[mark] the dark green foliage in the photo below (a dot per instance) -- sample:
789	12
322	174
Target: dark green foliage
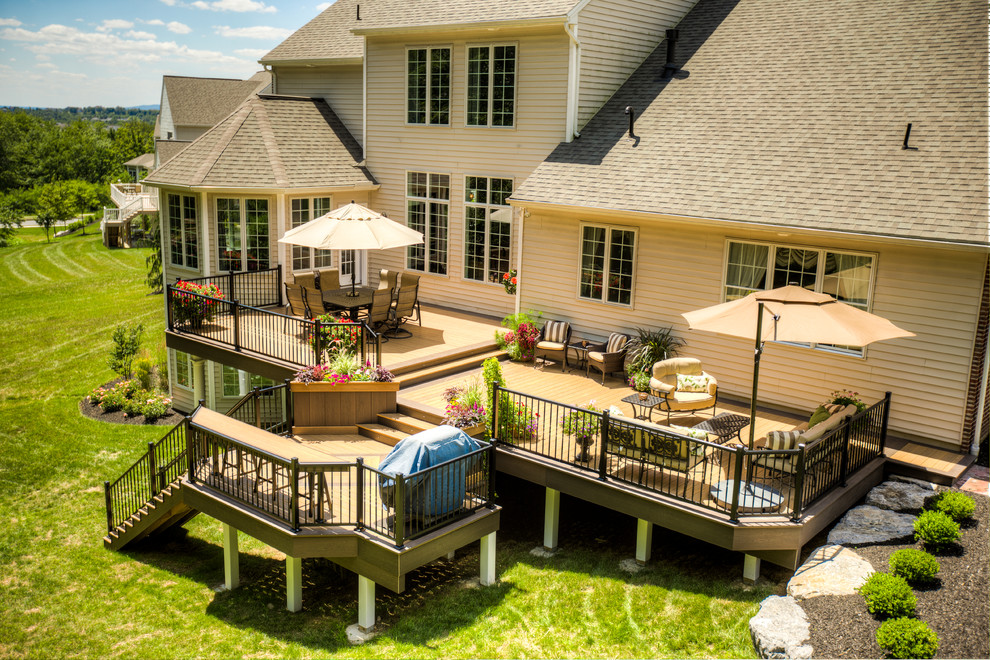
491	373
958	506
651	346
9	222
888	595
144	372
936	530
153	262
915	566
907	638
126	341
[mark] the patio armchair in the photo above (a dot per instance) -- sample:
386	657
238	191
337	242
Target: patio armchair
305	279
295	301
553	341
609	356
406	306
683	386
380	311
314	300
328	279
387	279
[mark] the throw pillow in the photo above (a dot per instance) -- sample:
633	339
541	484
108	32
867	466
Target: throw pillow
782	439
686	383
697	434
820	415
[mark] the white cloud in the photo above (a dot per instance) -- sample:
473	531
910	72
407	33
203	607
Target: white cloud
234	5
115	24
178	28
323	5
255	32
253	53
45	65
12	22
170	3
138	34
155	21
41	57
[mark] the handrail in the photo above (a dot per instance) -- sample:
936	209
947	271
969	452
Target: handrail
267	408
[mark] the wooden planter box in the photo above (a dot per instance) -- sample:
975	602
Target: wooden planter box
339	408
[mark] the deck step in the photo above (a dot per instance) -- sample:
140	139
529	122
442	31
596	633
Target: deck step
447	368
382	433
403	369
419	411
405	423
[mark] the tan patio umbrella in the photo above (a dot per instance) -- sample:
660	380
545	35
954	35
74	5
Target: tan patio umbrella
352	227
791	314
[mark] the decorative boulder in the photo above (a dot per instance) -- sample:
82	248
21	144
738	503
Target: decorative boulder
780	629
831	570
867	525
898	496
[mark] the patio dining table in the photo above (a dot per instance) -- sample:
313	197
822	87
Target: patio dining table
343	300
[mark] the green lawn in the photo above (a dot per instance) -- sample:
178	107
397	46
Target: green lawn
62	594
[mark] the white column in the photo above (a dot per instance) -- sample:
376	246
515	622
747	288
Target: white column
488	559
751	569
644	540
366	603
293	583
199	379
551	519
231	558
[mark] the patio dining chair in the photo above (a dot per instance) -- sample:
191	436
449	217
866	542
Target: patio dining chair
553	341
609	356
387	279
328	279
305	279
295	301
406	308
379	313
314	300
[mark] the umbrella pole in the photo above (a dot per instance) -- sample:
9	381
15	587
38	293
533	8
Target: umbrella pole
758	353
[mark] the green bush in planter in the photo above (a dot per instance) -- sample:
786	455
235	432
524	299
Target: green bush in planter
907	638
956	505
888	595
936	530
915	566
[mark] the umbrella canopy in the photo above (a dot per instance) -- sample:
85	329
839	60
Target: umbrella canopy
352	227
793	314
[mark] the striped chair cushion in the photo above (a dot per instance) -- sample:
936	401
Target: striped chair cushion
555	331
616	342
782	439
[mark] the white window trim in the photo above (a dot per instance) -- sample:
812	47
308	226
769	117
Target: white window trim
426	235
335	254
242	225
189	369
635	262
429	86
491	100
861	353
488	247
244	386
182	224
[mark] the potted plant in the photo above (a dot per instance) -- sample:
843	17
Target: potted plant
520	339
465	407
583	424
192	304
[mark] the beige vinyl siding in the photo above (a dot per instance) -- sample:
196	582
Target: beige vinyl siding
182	398
342	87
616	36
680	268
166	125
395	148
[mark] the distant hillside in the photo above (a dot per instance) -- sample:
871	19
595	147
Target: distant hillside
111	116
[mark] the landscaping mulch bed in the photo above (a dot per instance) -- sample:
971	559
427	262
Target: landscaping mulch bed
93	411
955	607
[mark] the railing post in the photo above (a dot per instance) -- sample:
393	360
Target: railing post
883	423
106	495
378	349
190	454
737	483
400	510
278	284
288	407
490	502
318	341
603	447
257	407
844	463
168	306
359	494
230	278
294	501
237	326
799	485
152	470
493	431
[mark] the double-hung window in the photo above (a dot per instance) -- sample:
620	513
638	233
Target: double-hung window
427	211
242	234
239	383
491	85
183	231
428	86
183	370
302	211
607	256
846	276
487	228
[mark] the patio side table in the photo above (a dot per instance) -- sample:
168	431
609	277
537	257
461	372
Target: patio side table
579	348
646	404
724	426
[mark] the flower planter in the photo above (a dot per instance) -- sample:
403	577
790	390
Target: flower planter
340	407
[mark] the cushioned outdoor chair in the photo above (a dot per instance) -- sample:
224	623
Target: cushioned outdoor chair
683	386
609	356
328	279
554	337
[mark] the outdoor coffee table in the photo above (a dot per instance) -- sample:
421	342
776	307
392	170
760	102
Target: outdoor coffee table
724	426
646	404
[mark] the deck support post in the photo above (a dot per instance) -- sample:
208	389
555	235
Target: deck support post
551	519
293	583
366	603
199	378
488	559
644	541
231	558
751	569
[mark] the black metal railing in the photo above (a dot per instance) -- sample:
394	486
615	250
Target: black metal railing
256	288
268	408
263	332
731	479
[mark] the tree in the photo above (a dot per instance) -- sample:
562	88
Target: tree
154	261
10	218
56	203
126	342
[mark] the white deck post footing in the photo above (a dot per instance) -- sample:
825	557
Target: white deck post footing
488	559
751	569
644	541
231	558
366	603
551	519
293	583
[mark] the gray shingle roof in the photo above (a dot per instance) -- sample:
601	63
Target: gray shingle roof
329	36
205	101
793	113
270	142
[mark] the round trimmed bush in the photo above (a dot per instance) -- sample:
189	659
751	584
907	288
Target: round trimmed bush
907	638
956	505
936	530
888	595
915	566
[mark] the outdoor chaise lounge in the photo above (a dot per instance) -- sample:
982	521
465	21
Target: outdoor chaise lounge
683	386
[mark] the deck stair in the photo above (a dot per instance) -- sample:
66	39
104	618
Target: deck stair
446	364
165	510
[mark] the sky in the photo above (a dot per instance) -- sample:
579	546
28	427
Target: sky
58	53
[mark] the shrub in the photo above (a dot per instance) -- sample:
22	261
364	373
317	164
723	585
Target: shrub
936	530
154	406
907	638
956	505
491	373
144	372
126	340
915	566
132	406
652	346
113	400
888	595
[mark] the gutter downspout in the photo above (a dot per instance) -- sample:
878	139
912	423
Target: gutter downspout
364	103
573	80
974	447
519	259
